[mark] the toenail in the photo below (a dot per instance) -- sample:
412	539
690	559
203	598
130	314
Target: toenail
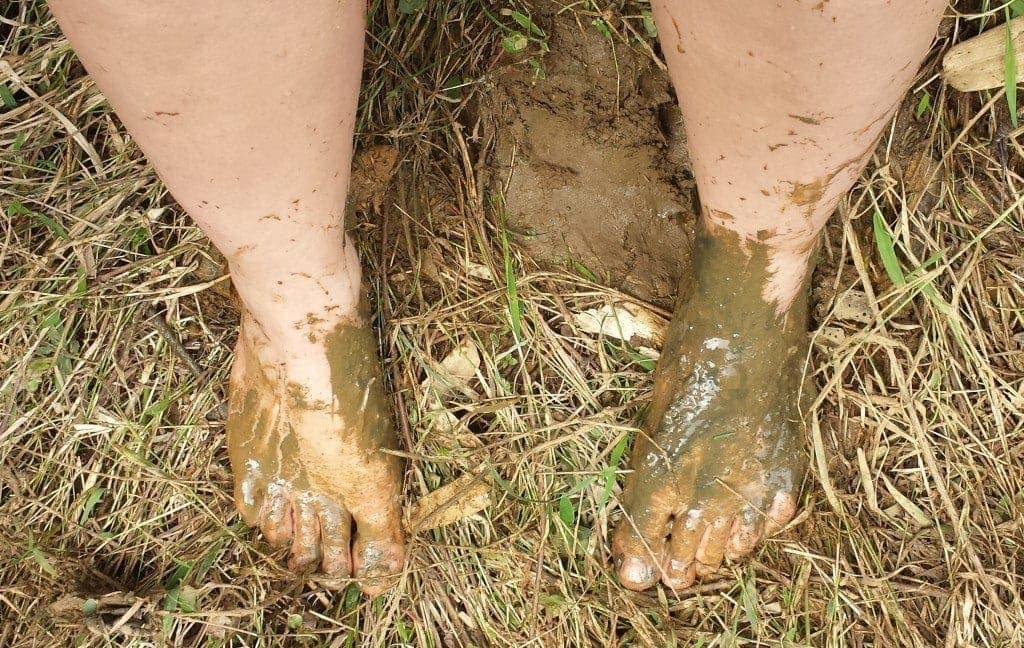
692	518
678	565
635	570
372	563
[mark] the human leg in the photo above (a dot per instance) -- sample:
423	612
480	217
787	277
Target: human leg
247	112
782	103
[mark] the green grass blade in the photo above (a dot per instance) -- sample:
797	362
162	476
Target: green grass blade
40	558
511	291
886	249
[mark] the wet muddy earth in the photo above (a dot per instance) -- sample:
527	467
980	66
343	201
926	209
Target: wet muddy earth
590	163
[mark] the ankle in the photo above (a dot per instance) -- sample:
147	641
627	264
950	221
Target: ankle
764	274
298	329
296	308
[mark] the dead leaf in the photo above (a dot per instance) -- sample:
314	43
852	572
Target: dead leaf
450	503
451	374
114	613
624	321
854	306
830	337
478	271
915	512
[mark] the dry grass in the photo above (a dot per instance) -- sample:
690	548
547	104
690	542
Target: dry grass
115	341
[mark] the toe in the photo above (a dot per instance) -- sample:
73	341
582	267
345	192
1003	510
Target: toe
248	497
639	549
687	532
637	572
679	575
746	532
276	517
378	552
249	491
782	510
336	540
306	534
711	549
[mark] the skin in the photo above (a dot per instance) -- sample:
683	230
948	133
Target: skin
719	458
782	107
306	468
248	118
249	121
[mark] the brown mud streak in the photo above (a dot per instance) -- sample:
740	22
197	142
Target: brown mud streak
362	404
358	386
679	37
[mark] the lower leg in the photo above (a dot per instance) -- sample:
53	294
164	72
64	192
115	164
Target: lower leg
247	112
782	107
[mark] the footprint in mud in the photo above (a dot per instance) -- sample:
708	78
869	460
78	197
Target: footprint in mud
587	174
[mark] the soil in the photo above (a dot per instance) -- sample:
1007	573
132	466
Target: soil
591	163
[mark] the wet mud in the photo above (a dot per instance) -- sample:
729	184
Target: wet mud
726	384
719	459
306	470
590	160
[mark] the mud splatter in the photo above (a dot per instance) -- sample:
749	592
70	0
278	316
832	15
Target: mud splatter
303	466
813	121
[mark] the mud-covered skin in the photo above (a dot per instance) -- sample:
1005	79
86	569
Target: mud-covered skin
719	460
314	474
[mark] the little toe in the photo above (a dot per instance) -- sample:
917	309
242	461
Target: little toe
711	549
305	550
746	532
639	549
781	511
276	517
336	540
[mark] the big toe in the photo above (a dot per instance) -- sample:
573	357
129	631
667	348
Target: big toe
248	495
378	552
639	549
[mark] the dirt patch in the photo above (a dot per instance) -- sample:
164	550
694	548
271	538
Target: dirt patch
591	162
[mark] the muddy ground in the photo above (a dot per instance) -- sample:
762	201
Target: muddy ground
591	164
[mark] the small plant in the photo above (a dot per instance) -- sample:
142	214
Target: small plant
522	37
518	40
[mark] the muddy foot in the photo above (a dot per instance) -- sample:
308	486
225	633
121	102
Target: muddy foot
306	432
720	459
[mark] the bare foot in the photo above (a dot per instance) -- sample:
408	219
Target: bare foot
720	458
306	432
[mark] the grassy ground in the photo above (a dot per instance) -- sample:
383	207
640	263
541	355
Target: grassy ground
116	331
